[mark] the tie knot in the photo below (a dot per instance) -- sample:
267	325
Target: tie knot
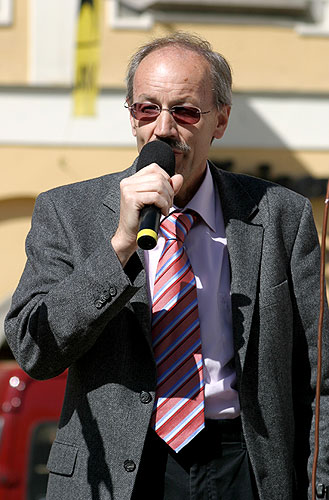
177	225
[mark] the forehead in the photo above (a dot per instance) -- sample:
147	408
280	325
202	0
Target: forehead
173	70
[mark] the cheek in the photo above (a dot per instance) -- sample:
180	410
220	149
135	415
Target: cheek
144	131
133	126
200	143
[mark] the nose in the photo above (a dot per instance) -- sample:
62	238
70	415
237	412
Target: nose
165	125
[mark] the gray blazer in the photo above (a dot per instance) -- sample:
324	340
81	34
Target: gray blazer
76	308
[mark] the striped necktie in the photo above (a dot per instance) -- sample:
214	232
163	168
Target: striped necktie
178	413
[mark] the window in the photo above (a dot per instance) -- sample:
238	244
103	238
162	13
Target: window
143	13
294	7
307	16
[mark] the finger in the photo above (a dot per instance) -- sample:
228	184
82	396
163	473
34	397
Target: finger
152	188
153	168
177	182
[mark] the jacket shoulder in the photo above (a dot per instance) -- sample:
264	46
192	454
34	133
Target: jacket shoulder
88	187
84	197
265	192
271	189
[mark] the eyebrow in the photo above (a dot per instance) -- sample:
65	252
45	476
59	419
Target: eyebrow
177	102
145	97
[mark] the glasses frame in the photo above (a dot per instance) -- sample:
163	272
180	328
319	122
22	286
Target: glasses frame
170	110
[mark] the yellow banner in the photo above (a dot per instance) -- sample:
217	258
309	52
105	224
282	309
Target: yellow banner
87	58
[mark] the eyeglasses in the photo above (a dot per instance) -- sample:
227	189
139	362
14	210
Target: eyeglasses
148	112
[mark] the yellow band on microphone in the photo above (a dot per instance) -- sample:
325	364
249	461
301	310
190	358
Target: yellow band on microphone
147	232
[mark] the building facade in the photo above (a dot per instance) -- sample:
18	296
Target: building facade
279	126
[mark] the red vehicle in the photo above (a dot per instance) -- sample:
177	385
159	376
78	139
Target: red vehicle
29	412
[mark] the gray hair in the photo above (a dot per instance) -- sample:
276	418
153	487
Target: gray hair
220	70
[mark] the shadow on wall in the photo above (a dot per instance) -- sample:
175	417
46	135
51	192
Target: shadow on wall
265	133
14	208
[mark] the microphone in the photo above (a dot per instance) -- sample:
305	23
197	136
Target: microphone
161	153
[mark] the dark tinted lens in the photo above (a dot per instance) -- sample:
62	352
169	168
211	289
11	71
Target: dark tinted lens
144	111
186	114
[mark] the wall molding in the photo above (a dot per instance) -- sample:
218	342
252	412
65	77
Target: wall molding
45	118
6	12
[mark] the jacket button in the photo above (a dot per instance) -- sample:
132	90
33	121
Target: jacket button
321	491
145	397
129	465
105	296
99	303
113	291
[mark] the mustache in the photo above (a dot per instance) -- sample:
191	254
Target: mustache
177	145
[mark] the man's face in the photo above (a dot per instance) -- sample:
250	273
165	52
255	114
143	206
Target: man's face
173	76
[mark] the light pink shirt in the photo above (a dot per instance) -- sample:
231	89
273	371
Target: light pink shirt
206	246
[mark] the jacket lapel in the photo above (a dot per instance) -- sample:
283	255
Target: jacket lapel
244	232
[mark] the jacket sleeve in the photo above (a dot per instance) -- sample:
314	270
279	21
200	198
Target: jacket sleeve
62	304
305	268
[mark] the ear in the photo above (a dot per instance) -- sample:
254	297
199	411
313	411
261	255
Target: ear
222	121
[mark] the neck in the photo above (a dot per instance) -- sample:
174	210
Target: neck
187	192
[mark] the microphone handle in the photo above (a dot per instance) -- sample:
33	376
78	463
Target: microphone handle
147	236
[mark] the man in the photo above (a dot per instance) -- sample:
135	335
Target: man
85	300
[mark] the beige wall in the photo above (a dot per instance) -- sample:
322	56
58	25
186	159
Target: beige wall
26	171
15	215
14	46
264	58
282	161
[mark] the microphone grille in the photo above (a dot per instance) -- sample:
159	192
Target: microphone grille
158	152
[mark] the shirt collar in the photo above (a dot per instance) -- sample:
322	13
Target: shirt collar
204	201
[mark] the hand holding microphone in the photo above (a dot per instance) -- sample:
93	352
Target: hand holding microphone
149	187
162	154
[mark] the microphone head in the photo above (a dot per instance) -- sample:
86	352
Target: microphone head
157	152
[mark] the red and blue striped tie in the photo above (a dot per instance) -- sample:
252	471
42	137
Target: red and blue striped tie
178	413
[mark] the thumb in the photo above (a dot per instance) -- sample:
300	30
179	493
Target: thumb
177	182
